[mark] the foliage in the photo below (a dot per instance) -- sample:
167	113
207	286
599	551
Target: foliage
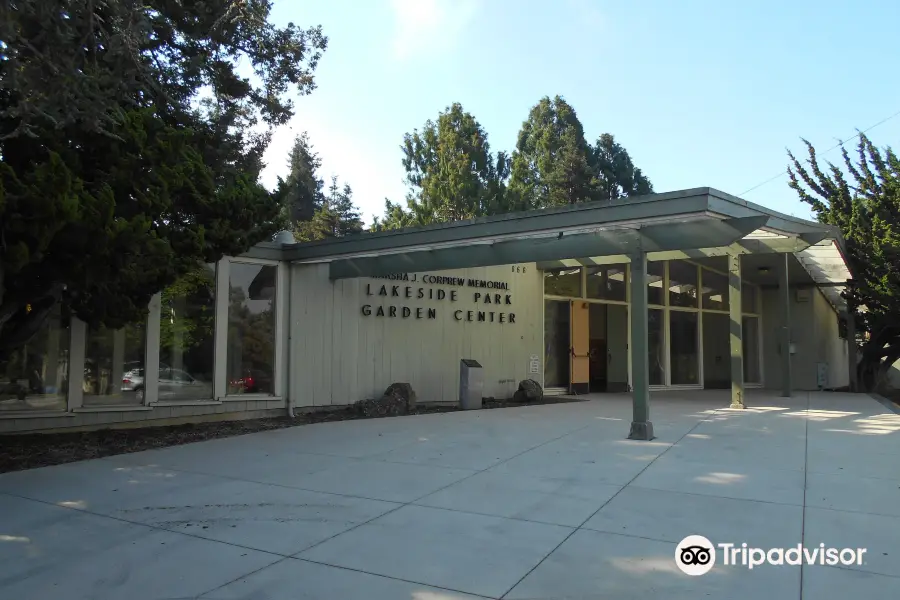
130	147
300	194
550	164
310	213
451	171
453	174
614	174
337	216
864	203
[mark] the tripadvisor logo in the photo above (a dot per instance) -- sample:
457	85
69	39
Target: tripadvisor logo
696	555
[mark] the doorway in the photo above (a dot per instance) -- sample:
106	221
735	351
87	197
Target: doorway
608	348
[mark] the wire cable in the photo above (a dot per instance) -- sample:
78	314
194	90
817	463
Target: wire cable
838	145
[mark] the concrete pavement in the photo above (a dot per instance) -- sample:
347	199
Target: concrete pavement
537	502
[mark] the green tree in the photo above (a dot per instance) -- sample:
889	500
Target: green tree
130	147
864	202
550	165
300	193
451	172
614	174
336	217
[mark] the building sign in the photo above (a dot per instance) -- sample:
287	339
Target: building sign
491	302
534	364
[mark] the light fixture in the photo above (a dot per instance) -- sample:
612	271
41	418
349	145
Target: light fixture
763	270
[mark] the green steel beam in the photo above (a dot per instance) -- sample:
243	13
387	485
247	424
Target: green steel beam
659	237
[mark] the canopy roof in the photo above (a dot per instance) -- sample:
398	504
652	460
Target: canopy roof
690	223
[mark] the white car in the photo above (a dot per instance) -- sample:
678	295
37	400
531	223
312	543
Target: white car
174	384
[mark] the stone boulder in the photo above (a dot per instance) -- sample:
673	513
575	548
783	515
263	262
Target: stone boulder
402	393
529	391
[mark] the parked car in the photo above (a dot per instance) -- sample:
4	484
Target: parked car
133	377
175	384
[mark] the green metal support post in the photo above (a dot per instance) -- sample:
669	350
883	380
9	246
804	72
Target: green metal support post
736	328
641	427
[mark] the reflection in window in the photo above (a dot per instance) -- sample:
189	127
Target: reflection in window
715	290
655	276
606	282
186	336
35	376
556	343
750	348
748	298
682	284
685	357
251	329
656	347
114	365
563	282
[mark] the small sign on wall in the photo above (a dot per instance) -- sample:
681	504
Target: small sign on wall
534	364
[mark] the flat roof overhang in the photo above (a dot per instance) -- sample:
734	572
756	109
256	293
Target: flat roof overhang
684	224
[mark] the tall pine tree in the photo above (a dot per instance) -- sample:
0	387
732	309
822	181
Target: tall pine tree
451	172
614	174
550	164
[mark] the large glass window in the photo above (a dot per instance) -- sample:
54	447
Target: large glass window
35	375
251	329
114	365
685	356
606	282
557	318
186	337
750	346
682	284
655	277
657	346
563	282
715	290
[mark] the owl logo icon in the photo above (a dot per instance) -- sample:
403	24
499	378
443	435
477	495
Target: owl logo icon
695	555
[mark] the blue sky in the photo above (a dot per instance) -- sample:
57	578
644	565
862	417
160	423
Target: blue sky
701	93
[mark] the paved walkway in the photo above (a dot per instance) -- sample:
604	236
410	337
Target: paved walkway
536	502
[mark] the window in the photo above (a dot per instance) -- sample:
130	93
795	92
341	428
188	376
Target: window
187	334
682	284
35	376
606	282
114	365
655	276
685	355
563	282
715	290
657	346
251	328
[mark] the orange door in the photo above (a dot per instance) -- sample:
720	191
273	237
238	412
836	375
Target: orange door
580	360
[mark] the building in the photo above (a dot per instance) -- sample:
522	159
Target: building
684	290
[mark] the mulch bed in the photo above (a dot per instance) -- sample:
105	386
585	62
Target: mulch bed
31	450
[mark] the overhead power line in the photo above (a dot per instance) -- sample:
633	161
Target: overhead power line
838	145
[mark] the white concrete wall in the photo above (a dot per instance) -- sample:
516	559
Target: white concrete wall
831	349
338	355
814	333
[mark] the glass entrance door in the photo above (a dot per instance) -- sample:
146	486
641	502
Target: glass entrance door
557	327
